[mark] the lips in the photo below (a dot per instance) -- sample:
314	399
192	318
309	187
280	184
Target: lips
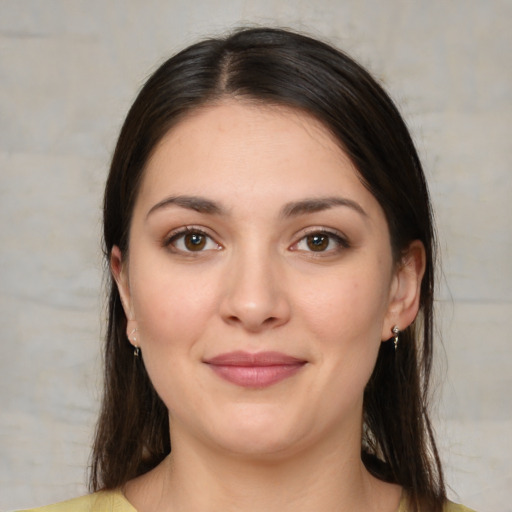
257	370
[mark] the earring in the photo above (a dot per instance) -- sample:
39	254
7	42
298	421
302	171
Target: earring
396	332
136	349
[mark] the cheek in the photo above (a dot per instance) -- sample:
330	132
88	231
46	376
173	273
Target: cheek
173	310
171	307
346	305
345	314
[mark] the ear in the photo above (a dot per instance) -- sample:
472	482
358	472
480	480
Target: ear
405	290
119	270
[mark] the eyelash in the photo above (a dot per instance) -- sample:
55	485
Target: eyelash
332	236
171	240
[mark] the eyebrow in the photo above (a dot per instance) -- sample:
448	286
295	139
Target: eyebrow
196	203
292	209
319	204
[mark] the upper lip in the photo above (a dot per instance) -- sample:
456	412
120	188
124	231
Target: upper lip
241	358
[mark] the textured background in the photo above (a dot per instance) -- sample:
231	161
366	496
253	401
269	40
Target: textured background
68	72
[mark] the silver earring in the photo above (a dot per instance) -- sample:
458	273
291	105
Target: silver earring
396	332
136	349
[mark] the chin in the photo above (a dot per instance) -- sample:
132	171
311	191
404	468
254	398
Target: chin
260	448
262	436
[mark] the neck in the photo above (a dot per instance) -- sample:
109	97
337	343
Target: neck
198	479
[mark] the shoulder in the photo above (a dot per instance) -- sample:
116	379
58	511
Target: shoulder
454	507
449	506
102	501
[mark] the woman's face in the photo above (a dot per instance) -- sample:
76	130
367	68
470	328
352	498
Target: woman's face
260	280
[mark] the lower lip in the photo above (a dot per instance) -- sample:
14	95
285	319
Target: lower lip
256	376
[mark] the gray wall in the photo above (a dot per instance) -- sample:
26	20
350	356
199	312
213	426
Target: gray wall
68	72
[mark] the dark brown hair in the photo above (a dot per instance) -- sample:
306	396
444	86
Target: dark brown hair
279	67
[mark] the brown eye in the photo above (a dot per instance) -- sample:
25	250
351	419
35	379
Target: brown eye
191	241
194	241
317	242
324	243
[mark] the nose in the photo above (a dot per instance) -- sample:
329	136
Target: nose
255	295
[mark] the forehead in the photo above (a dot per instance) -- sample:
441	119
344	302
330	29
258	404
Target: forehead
251	158
255	140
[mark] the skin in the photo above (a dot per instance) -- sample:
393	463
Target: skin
258	283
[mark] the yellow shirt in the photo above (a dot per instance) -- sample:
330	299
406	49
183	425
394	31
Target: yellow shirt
114	501
102	501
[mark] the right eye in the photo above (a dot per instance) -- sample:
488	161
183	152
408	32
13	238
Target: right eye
192	240
321	242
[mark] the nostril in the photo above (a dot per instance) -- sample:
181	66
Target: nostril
254	304
252	324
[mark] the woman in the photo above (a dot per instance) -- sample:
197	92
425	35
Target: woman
269	234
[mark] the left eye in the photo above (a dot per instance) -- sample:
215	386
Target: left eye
320	241
192	241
